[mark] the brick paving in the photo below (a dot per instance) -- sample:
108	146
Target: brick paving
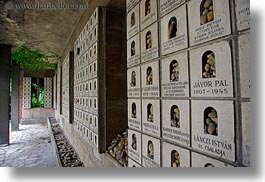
29	147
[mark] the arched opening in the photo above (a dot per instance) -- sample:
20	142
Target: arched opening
208	65
134	112
206	11
175	159
150	113
172	27
175	117
149	76
147	7
133	48
211	121
132	19
150	150
148	40
133	79
209	165
134	142
174	71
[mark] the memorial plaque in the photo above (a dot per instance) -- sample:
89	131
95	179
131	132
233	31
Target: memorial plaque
175	76
174	156
150	152
148	12
149	43
174	31
133	25
132	163
151	117
167	6
150	80
246	127
244	63
133	51
211	71
213	128
134	82
203	161
176	121
134	114
135	146
130	4
242	14
208	20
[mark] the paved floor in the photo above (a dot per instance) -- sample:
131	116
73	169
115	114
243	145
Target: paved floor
29	147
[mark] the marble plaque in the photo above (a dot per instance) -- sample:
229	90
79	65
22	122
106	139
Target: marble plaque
208	20
149	43
176	121
213	128
174	31
174	156
134	114
244	63
151	117
242	14
130	4
150	80
150	152
175	76
199	160
211	71
148	12
134	82
246	128
132	163
133	51
168	5
135	146
133	25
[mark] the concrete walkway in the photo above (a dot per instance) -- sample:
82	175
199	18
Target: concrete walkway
29	147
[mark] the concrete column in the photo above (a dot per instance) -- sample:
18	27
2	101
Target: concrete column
15	97
5	57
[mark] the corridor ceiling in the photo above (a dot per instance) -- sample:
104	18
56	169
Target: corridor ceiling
44	30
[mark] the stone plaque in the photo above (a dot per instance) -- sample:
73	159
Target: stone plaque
150	152
130	4
151	117
244	51
149	43
132	163
175	76
133	26
246	128
208	20
213	128
133	51
243	14
174	31
211	71
150	80
176	121
174	156
203	161
135	146
134	114
148	12
134	82
167	6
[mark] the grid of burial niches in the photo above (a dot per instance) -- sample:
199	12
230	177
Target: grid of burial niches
182	99
86	82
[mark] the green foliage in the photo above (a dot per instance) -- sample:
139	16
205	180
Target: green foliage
33	59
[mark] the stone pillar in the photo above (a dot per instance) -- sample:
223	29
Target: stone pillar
5	57
15	97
